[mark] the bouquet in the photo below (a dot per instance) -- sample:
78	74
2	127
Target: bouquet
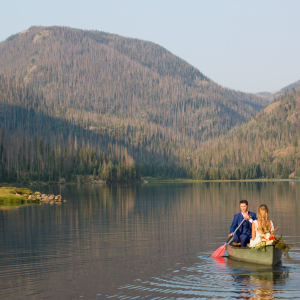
268	239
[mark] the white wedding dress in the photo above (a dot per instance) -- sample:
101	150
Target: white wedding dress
257	240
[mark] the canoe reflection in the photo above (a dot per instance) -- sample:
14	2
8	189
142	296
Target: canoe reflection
256	281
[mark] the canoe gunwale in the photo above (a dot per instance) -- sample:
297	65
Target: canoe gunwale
248	248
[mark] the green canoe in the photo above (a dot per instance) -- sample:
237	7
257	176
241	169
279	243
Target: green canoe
270	257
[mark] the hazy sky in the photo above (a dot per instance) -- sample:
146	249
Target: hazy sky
250	46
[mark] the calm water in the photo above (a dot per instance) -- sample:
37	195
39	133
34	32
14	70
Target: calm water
150	241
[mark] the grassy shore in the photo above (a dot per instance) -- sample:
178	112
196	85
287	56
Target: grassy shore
15	195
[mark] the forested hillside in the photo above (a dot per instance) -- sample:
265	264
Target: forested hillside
34	145
106	74
76	92
265	147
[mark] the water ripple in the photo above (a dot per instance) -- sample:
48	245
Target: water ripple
221	279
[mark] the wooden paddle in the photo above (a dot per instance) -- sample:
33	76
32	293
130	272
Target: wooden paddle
220	251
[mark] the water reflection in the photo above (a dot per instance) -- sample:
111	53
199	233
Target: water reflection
143	241
225	279
10	206
220	278
257	281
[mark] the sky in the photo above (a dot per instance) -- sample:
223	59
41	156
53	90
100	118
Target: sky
251	46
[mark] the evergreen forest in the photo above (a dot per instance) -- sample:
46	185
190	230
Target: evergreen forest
76	102
266	147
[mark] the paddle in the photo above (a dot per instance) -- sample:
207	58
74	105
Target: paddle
220	251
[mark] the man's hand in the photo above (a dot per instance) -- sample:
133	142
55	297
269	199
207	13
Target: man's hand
231	234
247	217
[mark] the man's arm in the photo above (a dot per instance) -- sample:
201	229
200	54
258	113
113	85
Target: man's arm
234	224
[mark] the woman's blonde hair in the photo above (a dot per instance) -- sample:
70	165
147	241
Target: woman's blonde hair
263	218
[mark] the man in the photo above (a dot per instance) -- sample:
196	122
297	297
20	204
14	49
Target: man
244	233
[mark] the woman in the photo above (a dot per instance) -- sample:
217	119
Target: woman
262	228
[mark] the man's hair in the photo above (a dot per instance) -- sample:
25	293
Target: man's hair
244	201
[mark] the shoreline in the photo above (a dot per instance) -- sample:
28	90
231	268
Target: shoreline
143	181
212	181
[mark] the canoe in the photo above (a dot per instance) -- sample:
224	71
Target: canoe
270	257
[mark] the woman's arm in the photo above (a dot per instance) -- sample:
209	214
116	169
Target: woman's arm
271	229
253	231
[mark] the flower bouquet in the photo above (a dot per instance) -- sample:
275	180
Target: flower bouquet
268	239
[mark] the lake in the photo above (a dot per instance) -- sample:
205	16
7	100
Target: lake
147	241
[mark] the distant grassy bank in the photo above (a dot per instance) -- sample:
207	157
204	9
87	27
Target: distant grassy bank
182	180
10	192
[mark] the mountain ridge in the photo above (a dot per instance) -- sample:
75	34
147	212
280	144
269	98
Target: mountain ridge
162	79
271	95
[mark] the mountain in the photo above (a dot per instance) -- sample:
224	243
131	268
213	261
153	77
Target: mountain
265	147
271	95
106	74
118	96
